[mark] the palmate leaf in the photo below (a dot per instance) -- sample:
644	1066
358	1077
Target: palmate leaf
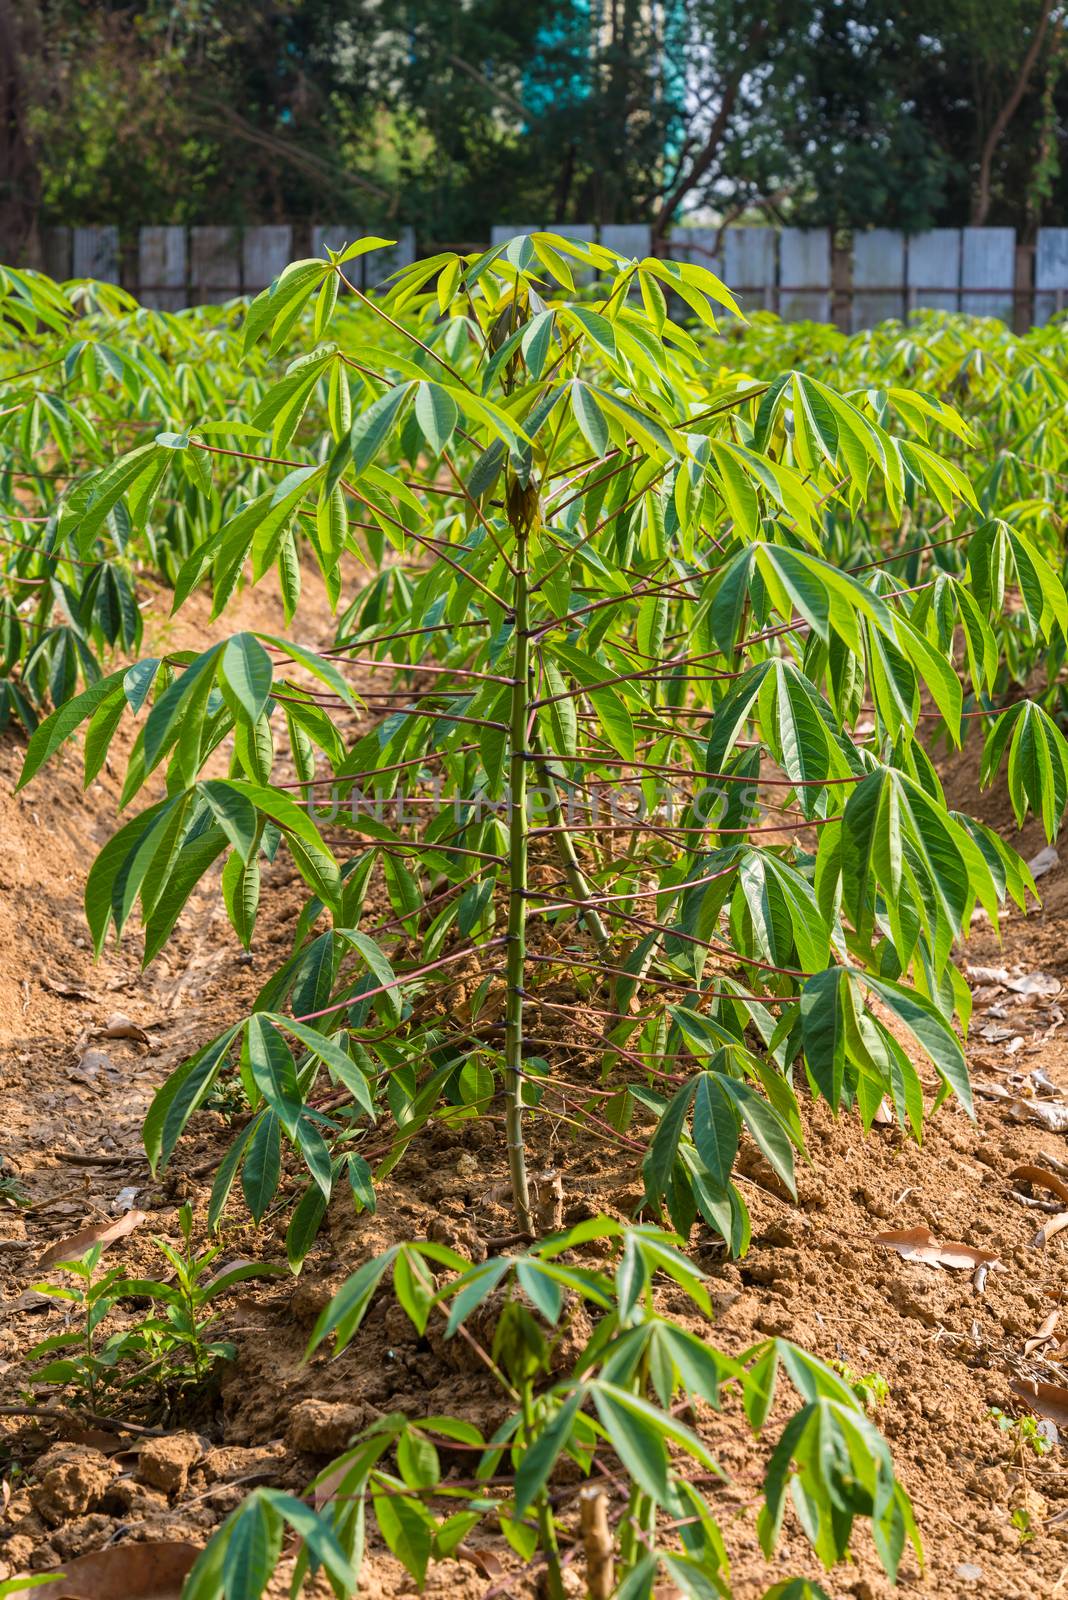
1037	767
836	1035
339	1063
299	280
895	835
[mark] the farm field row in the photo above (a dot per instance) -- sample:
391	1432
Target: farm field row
552	821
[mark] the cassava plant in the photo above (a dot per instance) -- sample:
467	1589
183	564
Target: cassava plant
609	1418
614	707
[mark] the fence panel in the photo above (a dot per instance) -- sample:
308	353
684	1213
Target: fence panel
749	256
215	254
95	254
805	274
878	277
380	263
1051	273
988	262
161	268
794	271
628	238
697	245
265	252
501	232
934	269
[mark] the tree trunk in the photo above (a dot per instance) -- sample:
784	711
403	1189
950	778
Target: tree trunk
19	182
981	205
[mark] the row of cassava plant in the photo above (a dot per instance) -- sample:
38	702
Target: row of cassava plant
85	373
611	579
607	571
1013	389
83	368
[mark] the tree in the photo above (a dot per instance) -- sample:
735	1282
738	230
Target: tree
146	112
19	178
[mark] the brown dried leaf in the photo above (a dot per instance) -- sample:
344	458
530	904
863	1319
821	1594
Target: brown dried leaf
1045	1399
1039	1178
104	1233
64	989
119	1026
483	1561
1044	1334
1049	1229
125	1572
920	1244
1052	1114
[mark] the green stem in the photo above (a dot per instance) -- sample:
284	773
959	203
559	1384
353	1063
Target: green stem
565	845
546	1529
517	889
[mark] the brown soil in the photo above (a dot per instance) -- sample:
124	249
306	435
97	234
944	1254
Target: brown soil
71	1104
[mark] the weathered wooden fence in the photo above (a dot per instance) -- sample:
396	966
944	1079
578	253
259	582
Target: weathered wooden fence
796	272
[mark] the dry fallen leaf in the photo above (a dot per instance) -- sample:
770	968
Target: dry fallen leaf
94	1062
1049	1229
1039	1178
125	1572
78	1243
1043	1335
119	1026
65	989
483	1560
1041	983
920	1244
996	975
1029	983
1052	1114
1045	1399
994	1033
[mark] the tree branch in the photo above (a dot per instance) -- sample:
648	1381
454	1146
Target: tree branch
981	207
716	134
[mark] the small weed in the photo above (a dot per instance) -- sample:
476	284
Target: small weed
227	1097
1021	1521
11	1191
1023	1431
870	1388
171	1350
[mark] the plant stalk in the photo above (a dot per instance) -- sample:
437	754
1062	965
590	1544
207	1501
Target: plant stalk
542	1505
517	886
569	860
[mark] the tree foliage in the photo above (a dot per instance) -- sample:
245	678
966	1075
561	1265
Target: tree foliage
852	113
